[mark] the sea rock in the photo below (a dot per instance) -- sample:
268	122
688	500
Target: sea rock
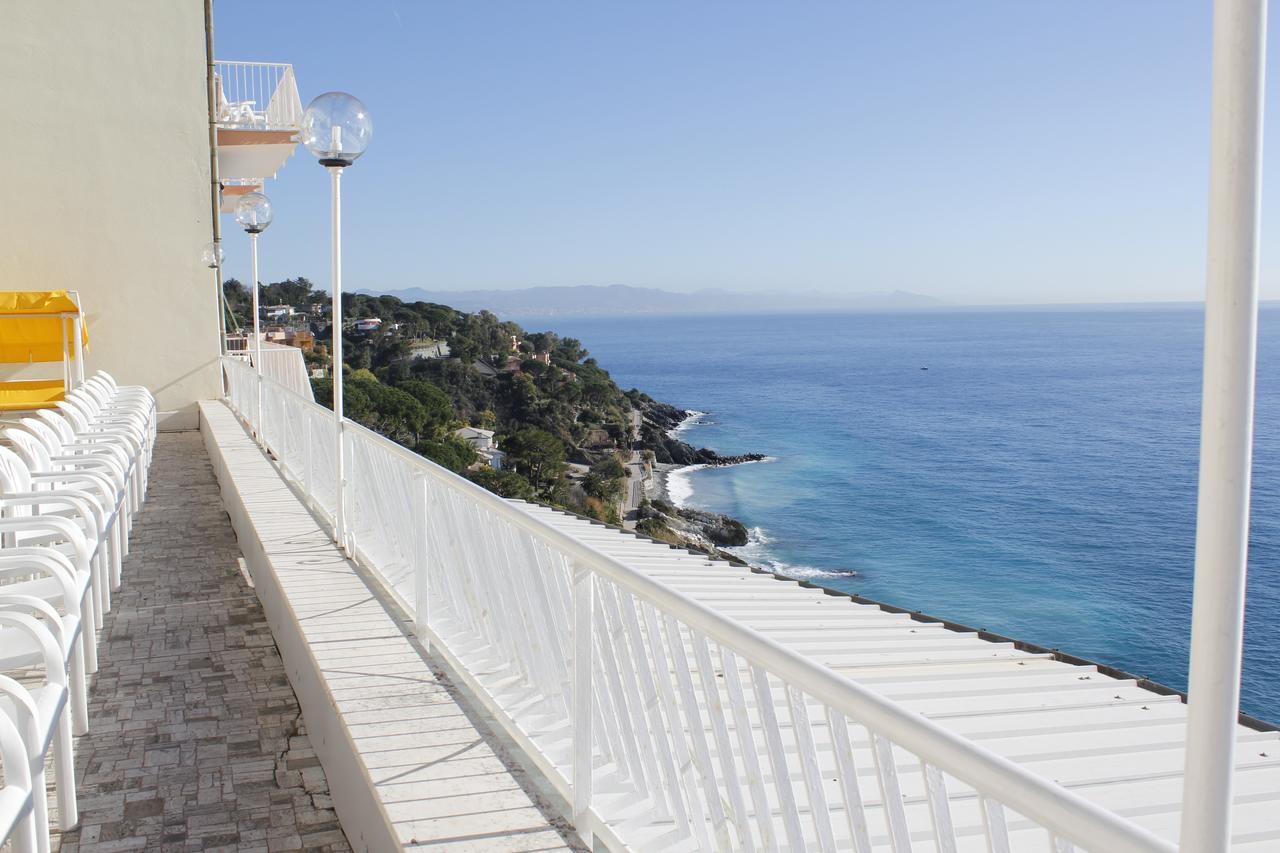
719	530
695	528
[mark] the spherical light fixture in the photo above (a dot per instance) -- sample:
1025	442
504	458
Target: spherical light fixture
336	128
211	255
253	212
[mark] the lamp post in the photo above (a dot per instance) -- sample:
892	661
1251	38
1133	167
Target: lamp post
336	128
212	257
253	212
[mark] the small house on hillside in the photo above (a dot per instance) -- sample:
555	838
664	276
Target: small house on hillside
481	441
368	326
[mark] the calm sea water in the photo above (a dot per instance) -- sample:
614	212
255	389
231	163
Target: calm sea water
1037	480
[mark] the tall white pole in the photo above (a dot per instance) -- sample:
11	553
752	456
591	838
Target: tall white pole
257	337
222	323
1226	426
340	521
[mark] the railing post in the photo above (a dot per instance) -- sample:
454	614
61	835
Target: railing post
306	462
258	420
422	559
1226	422
583	614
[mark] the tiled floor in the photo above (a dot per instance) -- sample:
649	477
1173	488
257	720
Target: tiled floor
195	740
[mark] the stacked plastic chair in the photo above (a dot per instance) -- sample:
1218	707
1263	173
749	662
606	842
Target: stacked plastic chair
70	481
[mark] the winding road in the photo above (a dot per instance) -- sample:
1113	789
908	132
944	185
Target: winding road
635	477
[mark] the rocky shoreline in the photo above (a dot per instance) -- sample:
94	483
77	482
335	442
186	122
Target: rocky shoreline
659	516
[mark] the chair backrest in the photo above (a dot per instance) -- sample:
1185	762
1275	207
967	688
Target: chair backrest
44	434
30	449
76	412
60	425
107	379
93	394
15	476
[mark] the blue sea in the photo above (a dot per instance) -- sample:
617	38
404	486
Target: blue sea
1037	480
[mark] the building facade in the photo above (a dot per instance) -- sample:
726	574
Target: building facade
108	185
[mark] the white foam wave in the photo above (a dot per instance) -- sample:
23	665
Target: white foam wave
692	419
756	552
679	489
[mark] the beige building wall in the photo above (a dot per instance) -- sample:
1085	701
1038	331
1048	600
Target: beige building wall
104	181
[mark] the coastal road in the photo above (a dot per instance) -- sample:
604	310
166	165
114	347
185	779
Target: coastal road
635	478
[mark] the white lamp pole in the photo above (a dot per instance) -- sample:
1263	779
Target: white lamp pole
336	128
257	331
340	518
254	213
1226	425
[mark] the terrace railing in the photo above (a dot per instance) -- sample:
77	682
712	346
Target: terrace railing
257	96
664	724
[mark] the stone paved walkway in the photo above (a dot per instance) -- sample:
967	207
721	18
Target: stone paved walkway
196	740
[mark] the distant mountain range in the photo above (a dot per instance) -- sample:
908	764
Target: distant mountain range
600	300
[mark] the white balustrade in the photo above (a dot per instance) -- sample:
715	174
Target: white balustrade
257	96
663	724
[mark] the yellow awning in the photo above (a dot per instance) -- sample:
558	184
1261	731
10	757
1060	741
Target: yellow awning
19	395
29	325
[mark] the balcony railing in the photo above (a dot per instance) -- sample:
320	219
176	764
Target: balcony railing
663	722
257	96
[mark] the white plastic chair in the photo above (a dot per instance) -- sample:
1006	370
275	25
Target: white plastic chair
108	458
44	583
127	447
29	499
109	403
123	397
40	714
83	474
17	801
80	409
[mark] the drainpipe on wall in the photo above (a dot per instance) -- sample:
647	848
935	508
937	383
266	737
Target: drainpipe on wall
215	186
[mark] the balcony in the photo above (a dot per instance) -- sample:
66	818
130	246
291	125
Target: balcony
663	700
258	114
466	672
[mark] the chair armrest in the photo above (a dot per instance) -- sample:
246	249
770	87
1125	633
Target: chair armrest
52	524
79	501
93	480
45	560
33	606
50	648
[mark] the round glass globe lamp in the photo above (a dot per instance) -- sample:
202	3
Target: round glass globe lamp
211	255
336	128
253	212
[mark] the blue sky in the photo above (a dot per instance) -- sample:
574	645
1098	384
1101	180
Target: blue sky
978	152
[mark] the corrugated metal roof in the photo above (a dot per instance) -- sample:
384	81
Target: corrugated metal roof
1108	739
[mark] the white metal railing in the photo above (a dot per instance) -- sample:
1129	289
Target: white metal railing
257	96
281	362
664	724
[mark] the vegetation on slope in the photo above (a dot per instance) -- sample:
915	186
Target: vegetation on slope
565	427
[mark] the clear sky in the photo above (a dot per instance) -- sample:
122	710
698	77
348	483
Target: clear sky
978	152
